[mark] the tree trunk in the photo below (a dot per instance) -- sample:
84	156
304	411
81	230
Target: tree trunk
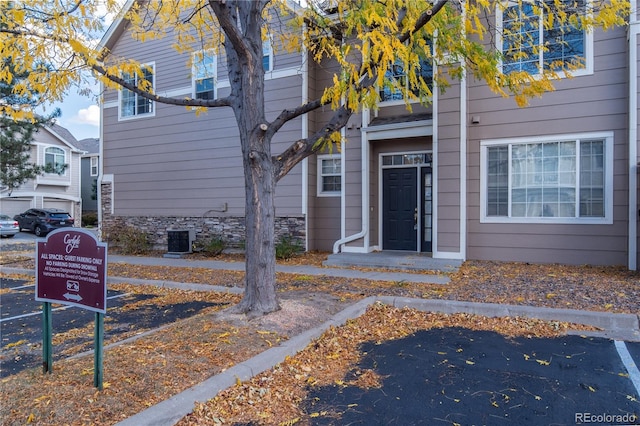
242	22
260	281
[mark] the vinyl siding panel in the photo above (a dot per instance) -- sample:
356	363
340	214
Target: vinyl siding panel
447	174
326	223
591	103
180	164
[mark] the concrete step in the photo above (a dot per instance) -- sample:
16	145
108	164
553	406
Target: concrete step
392	260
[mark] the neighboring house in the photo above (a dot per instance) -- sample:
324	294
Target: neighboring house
471	177
89	166
51	145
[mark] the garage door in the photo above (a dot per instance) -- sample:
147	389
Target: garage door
14	206
52	203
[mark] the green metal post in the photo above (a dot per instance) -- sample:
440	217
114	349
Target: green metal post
47	351
97	351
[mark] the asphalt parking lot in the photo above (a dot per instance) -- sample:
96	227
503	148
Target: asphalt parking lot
458	376
21	323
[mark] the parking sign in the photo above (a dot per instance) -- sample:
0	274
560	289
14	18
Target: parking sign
71	269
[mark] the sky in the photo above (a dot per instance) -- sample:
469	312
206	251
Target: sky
80	115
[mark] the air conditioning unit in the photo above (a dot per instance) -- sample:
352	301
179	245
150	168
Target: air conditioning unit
180	240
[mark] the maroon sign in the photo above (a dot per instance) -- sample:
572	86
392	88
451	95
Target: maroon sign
72	269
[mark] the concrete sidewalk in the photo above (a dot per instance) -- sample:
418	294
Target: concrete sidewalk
290	269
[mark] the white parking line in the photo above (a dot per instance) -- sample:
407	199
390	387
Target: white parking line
629	364
21	287
53	310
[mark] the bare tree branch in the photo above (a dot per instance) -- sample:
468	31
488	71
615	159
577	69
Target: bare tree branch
210	103
224	14
51	16
423	20
289	114
303	148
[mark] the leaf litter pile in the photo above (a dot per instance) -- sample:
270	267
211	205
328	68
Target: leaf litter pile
151	368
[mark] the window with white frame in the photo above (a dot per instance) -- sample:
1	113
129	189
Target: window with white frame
204	74
132	104
267	55
530	47
557	180
396	76
329	175
94	166
55	158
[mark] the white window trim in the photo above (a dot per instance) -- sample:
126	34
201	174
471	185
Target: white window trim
194	72
65	152
153	108
396	102
93	160
320	192
588	41
608	179
267	50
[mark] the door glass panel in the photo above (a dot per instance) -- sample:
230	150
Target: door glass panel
427	210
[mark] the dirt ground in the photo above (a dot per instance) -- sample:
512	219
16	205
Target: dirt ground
153	367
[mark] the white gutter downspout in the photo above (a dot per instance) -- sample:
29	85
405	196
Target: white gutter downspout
364	155
463	164
100	160
305	135
463	151
634	30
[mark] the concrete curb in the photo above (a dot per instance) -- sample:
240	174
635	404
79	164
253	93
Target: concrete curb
170	411
607	321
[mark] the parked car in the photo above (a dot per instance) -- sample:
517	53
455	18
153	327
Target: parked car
8	227
43	221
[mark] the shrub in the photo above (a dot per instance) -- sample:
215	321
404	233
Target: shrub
288	247
90	219
126	239
212	247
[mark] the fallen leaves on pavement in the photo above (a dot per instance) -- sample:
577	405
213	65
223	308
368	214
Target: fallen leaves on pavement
274	397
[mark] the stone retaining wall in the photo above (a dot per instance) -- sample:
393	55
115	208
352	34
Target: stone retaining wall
230	228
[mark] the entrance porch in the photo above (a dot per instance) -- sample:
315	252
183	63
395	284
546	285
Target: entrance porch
389	259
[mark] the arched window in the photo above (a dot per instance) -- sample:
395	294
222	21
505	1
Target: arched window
55	157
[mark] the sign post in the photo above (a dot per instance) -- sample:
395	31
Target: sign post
71	268
47	352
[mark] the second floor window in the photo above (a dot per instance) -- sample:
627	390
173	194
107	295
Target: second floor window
55	157
396	78
132	104
94	166
204	74
530	47
267	55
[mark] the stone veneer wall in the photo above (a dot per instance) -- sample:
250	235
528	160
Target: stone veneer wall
230	228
